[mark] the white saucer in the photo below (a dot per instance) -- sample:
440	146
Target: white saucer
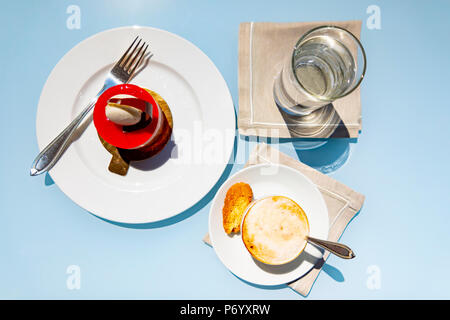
266	180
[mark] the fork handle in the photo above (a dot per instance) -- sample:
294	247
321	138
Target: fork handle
47	158
339	249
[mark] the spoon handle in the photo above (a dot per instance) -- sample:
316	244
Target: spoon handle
339	249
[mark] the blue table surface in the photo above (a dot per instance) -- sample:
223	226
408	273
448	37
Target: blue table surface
400	236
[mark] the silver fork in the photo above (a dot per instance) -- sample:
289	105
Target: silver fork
122	72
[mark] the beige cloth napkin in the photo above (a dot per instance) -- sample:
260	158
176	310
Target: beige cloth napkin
343	204
262	49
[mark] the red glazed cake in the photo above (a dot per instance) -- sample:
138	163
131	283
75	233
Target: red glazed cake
133	124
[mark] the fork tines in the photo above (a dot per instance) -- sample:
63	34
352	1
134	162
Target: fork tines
127	61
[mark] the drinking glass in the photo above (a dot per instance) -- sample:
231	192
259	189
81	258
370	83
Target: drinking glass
327	63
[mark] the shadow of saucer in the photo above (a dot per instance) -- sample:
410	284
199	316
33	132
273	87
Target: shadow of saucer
290	266
317	264
170	151
328	157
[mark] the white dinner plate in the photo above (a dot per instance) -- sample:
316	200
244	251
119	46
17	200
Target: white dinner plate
267	180
188	167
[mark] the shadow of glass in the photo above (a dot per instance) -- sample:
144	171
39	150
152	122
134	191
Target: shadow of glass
328	157
319	131
324	155
324	122
318	263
